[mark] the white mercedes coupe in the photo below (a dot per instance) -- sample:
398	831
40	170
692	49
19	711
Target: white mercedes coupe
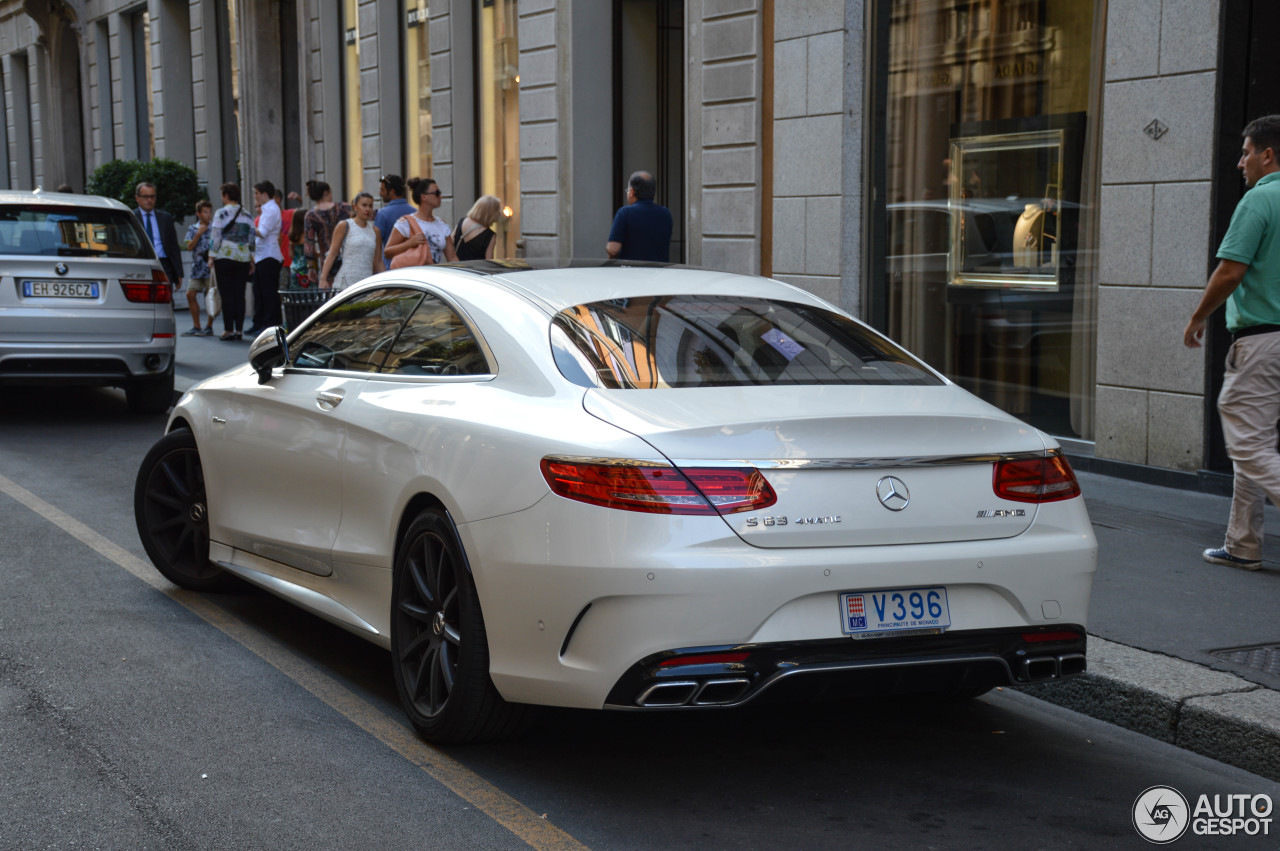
624	487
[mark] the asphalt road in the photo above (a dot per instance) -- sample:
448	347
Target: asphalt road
137	715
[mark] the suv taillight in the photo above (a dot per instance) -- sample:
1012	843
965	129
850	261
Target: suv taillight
659	490
1046	479
153	290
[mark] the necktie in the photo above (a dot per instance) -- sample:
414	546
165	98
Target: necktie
151	234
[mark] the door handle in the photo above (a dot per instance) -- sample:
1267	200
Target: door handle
329	399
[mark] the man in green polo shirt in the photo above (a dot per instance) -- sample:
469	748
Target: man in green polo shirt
1247	278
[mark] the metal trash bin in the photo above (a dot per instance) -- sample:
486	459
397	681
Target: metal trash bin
297	305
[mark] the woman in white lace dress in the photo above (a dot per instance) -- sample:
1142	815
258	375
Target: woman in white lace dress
357	241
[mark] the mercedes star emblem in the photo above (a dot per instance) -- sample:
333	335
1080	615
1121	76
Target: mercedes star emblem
61	268
893	493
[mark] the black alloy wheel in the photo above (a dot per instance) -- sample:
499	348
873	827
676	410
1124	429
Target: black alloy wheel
439	649
172	513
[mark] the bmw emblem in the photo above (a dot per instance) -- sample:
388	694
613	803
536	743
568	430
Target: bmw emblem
61	268
893	493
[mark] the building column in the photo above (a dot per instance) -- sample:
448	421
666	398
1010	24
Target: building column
261	102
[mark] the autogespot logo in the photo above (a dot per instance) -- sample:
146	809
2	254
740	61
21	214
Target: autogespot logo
1160	814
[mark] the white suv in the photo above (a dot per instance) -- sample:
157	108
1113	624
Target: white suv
83	299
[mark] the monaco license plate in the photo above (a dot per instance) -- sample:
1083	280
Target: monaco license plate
60	289
894	610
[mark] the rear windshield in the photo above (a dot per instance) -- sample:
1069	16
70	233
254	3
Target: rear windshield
722	341
70	232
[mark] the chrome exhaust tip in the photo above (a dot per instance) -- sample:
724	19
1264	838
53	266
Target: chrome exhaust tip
1041	668
1071	664
720	692
668	694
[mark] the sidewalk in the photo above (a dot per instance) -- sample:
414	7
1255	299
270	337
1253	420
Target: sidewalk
1180	650
1166	629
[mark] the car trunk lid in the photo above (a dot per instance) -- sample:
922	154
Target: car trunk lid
851	465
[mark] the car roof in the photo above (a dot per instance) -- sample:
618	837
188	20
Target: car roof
561	284
60	199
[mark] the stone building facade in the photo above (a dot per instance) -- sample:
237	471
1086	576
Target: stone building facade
850	148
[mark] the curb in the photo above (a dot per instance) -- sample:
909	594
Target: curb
1212	713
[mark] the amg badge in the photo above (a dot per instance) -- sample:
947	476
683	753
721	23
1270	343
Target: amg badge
1002	512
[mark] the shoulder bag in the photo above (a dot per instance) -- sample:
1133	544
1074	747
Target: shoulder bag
419	255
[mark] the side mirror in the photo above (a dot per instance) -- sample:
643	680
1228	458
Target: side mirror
270	350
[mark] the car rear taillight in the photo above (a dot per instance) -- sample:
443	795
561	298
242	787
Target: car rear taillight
659	490
1046	479
154	290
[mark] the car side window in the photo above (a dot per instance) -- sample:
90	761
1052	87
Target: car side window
435	341
355	334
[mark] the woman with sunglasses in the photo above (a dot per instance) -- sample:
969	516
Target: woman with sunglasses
415	230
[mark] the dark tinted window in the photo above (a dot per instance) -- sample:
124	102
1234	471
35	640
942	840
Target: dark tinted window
435	341
70	232
708	341
355	334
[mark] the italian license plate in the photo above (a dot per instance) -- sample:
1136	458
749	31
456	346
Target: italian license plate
60	289
894	610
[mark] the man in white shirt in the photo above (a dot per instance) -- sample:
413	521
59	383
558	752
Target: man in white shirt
267	260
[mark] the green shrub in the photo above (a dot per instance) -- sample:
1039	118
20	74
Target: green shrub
177	184
113	179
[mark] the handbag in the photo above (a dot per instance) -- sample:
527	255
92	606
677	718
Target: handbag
419	255
212	299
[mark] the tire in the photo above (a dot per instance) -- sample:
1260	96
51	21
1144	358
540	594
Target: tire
439	649
171	511
151	395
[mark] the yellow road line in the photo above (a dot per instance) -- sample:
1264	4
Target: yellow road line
537	832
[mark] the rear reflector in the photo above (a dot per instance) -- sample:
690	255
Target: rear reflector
704	659
1046	479
153	290
659	490
1050	636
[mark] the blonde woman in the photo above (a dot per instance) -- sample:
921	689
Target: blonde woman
359	244
473	238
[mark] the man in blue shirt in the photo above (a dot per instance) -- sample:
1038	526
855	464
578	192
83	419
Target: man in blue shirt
391	188
1247	279
642	229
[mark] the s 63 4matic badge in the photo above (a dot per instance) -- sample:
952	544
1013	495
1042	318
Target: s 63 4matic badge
753	522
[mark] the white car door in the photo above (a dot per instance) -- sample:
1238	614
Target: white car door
414	420
282	444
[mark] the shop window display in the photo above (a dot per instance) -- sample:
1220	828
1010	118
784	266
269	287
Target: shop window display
417	87
498	90
983	259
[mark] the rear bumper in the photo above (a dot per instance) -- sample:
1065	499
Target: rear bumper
578	598
85	363
955	662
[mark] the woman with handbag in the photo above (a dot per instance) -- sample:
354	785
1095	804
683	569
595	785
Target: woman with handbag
231	244
420	239
359	244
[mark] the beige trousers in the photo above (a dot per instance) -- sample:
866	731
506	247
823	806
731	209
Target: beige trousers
1249	405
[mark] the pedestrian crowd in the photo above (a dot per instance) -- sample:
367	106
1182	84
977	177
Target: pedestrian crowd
237	252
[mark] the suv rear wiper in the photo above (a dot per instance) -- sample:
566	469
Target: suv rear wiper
68	251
